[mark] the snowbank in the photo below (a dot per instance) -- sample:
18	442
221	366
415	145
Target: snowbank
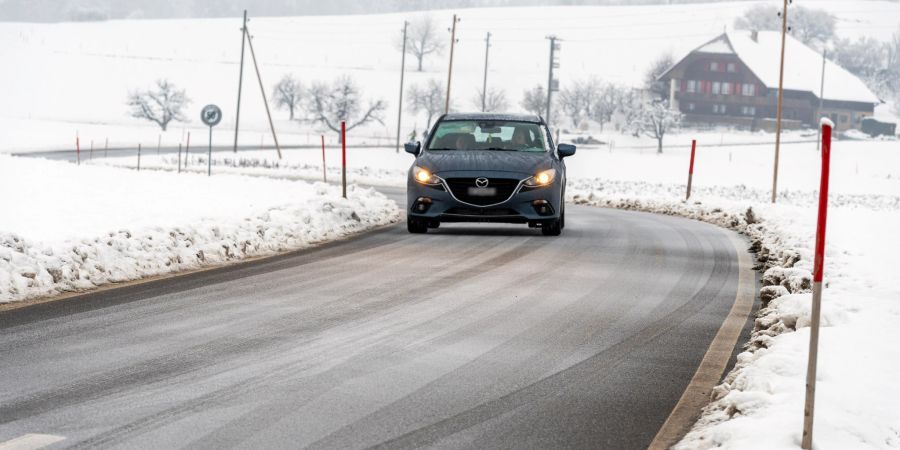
759	404
67	228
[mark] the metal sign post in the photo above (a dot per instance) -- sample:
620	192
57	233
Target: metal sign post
211	115
344	157
818	263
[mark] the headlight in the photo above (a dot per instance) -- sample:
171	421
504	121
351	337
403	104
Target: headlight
542	178
423	176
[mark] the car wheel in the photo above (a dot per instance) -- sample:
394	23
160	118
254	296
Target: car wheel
416	226
553	228
562	219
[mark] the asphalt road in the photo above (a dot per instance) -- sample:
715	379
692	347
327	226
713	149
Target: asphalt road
472	336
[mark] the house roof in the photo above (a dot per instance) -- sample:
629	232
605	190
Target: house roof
802	65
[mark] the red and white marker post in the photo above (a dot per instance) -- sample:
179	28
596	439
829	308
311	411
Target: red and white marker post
77	149
324	173
818	263
344	156
691	169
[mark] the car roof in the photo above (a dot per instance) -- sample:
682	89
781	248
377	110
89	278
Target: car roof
493	116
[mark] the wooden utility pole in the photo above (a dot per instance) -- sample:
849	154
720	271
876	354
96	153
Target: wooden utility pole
550	87
821	100
402	71
262	90
450	70
487	48
237	115
784	22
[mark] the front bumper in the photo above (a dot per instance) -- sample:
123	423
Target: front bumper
533	206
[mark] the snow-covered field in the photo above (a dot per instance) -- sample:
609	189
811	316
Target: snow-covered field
67	228
74	77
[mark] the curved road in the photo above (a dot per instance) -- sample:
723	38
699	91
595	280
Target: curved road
472	336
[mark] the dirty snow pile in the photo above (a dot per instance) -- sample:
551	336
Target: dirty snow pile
66	228
760	402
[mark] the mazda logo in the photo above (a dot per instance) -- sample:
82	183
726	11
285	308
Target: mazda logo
481	182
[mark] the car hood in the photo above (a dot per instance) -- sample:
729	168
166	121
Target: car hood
484	160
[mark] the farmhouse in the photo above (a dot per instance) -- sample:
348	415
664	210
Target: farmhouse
733	80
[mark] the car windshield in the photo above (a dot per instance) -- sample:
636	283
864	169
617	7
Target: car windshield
497	135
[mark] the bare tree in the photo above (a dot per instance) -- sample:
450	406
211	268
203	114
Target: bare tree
535	100
577	101
607	102
654	118
658	88
494	101
811	26
423	39
161	105
341	101
288	94
428	99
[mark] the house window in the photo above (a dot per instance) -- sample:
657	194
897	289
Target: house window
748	110
713	66
716	87
726	88
692	86
748	89
718	109
731	67
843	118
691	106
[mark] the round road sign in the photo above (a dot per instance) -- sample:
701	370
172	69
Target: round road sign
211	115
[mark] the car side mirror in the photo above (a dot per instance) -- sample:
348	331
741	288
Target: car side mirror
413	148
565	150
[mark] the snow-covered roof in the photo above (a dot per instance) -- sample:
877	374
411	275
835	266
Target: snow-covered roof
802	65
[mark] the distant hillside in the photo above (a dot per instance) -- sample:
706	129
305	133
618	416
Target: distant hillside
96	10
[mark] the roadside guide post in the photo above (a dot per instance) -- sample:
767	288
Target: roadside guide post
324	174
211	115
691	169
344	157
77	149
818	263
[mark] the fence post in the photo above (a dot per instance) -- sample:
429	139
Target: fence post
818	263
187	150
691	169
139	158
179	157
344	157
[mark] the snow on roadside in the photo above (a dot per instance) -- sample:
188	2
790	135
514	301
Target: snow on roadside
67	228
759	404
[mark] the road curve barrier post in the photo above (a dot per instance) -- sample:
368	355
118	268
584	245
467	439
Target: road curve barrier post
344	157
818	263
139	158
179	157
691	169
324	173
77	149
187	150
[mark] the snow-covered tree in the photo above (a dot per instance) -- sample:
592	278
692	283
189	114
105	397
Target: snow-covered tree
811	26
658	88
428	99
422	39
288	94
341	101
161	105
534	100
494	101
606	103
577	100
654	118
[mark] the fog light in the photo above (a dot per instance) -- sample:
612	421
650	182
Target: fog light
542	207
422	204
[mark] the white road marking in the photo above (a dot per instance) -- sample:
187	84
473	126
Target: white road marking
31	442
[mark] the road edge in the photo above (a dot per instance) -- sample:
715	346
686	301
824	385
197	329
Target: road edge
712	367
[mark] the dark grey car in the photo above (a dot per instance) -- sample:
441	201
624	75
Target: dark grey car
488	168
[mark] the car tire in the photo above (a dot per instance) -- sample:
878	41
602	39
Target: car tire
416	226
562	219
553	228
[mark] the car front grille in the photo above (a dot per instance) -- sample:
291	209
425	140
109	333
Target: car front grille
504	189
487	212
